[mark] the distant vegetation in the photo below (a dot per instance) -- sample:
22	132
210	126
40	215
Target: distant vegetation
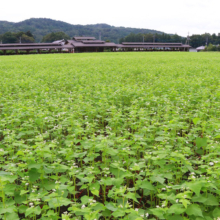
200	40
149	37
42	26
55	36
24	37
212	47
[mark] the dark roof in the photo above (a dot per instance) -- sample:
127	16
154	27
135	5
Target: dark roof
149	45
29	44
33	47
83	38
92	44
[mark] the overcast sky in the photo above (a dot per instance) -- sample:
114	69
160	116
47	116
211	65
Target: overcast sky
170	16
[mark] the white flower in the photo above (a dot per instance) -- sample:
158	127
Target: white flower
83	206
158	206
147	214
177	200
31	204
1	149
211	163
136	210
26	184
163	189
54	190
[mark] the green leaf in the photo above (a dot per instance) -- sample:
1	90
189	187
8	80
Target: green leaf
9	189
34	210
201	142
95	187
157	179
131	196
216	212
22	209
85	199
176	209
159	212
195	187
12	215
175	217
111	206
195	210
117	182
196	121
33	174
146	185
18	198
118	213
212	200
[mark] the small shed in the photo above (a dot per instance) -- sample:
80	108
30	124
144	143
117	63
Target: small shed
200	48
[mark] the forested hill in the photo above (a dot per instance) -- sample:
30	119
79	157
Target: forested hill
42	26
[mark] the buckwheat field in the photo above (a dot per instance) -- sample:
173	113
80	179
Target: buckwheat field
110	136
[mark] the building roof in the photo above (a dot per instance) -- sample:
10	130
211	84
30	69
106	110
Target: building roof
94	43
59	41
33	46
29	44
83	38
149	45
200	48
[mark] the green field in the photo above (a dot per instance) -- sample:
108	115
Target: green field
110	136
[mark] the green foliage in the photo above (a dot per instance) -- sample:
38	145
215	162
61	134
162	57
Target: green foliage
151	37
10	37
111	135
197	40
55	36
211	47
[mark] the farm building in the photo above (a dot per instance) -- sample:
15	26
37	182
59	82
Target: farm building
38	47
145	46
90	44
198	49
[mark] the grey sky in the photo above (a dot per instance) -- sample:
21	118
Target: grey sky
170	16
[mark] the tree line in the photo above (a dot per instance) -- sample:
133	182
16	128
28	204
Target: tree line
195	40
19	37
149	37
28	37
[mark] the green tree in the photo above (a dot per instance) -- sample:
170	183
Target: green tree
55	36
9	37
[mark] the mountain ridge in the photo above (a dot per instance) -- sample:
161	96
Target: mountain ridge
42	26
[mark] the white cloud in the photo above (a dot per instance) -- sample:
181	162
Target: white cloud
170	16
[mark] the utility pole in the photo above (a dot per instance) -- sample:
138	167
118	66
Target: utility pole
154	38
187	39
207	40
100	36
